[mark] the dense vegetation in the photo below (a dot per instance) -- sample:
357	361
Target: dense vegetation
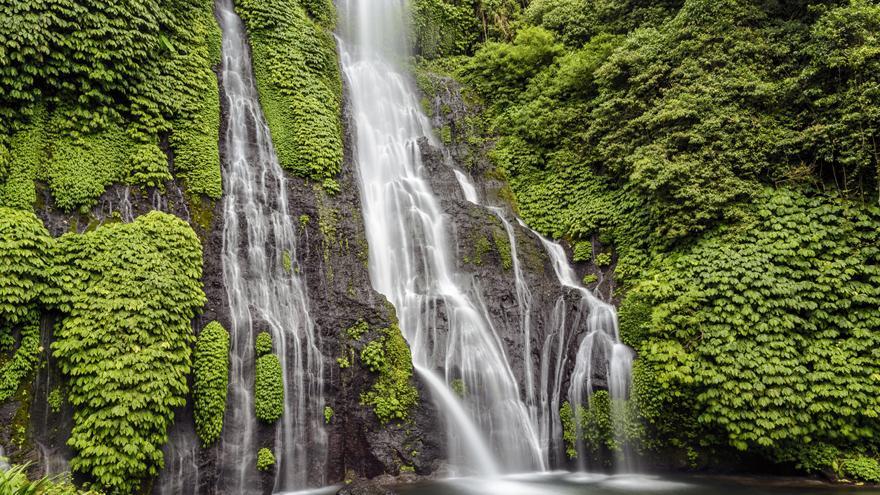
211	377
297	72
89	90
725	157
124	296
268	381
392	395
128	293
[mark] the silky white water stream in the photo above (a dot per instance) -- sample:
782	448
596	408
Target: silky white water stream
412	258
263	293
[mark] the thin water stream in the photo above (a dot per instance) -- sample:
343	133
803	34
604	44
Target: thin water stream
263	294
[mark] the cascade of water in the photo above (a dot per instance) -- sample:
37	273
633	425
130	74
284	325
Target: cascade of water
524	306
602	339
258	234
411	256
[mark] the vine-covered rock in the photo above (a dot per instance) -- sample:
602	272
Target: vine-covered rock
128	293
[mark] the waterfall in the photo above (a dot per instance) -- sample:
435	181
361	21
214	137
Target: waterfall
524	308
412	259
263	295
602	338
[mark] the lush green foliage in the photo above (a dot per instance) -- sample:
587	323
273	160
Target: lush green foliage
449	27
294	57
24	261
726	153
393	395
862	468
263	344
211	369
15	482
23	361
128	293
776	317
24	244
87	89
656	122
269	388
265	459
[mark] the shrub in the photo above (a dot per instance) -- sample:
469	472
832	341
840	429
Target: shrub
269	388
861	468
265	459
264	344
211	381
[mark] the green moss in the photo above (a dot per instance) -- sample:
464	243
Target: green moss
286	261
265	459
457	385
328	414
356	331
482	247
589	279
502	244
211	380
268	388
297	73
393	394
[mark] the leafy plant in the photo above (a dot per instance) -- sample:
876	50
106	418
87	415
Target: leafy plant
265	459
263	344
392	395
328	414
127	293
268	388
211	380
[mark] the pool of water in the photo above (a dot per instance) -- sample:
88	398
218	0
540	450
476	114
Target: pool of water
600	484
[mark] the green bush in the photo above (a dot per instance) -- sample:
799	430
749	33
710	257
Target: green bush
603	260
393	395
15	482
772	318
862	468
265	459
263	344
269	388
127	293
211	365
